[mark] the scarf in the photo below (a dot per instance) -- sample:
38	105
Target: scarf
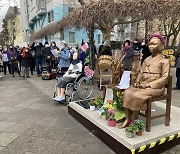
125	48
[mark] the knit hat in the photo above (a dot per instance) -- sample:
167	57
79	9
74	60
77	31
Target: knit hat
162	39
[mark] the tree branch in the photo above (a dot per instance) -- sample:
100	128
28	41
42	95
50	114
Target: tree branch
82	2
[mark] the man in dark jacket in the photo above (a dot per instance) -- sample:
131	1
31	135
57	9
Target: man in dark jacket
47	55
38	56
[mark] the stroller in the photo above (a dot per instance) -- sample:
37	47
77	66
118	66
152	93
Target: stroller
46	70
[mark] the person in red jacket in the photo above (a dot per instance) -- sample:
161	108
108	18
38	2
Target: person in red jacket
26	62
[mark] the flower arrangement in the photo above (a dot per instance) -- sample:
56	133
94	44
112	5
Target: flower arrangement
111	119
140	127
135	127
92	102
96	102
111	114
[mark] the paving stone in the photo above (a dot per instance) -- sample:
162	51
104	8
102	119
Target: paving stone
56	134
36	131
7	150
9	109
4	115
47	121
45	146
18	128
6	138
5	125
23	143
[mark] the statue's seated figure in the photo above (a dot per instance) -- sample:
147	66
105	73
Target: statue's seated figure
150	82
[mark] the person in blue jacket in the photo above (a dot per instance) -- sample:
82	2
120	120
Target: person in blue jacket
64	57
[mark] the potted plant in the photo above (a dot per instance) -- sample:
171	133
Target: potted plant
140	127
92	104
99	102
131	130
111	119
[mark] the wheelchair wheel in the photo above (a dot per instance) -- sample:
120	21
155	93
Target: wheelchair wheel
84	89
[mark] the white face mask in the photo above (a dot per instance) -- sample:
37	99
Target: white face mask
5	49
143	43
46	45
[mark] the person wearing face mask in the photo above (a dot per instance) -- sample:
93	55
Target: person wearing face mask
64	57
5	60
26	62
54	62
72	73
47	55
12	56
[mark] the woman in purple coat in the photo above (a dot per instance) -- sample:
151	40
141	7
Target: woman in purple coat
12	56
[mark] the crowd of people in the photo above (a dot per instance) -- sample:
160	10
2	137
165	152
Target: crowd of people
26	60
31	58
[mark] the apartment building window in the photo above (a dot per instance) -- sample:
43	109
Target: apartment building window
50	16
70	9
71	37
99	39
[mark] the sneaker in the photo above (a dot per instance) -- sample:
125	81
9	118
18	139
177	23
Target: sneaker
23	77
28	76
13	75
55	97
59	99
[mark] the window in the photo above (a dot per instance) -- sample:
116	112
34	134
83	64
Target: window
50	16
71	37
70	9
62	35
99	39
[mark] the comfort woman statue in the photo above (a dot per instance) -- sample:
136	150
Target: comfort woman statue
150	82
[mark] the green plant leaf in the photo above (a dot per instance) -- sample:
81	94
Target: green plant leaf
119	115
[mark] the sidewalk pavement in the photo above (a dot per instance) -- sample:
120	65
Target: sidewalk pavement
31	122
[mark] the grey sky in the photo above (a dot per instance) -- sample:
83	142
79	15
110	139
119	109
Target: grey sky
4	5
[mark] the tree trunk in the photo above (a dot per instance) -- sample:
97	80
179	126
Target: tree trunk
82	2
146	29
167	40
91	47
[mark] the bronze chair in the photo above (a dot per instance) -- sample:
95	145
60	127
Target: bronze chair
167	97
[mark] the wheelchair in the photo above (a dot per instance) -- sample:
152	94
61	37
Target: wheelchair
82	86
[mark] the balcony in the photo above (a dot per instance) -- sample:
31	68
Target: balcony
41	7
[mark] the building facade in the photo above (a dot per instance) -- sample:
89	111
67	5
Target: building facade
40	13
12	27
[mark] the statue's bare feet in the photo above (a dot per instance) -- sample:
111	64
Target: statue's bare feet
125	124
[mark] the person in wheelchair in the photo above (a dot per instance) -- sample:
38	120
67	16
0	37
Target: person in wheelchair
74	70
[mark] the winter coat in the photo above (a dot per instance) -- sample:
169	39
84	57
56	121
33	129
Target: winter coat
64	58
5	56
12	55
26	60
46	52
1	58
127	62
38	51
